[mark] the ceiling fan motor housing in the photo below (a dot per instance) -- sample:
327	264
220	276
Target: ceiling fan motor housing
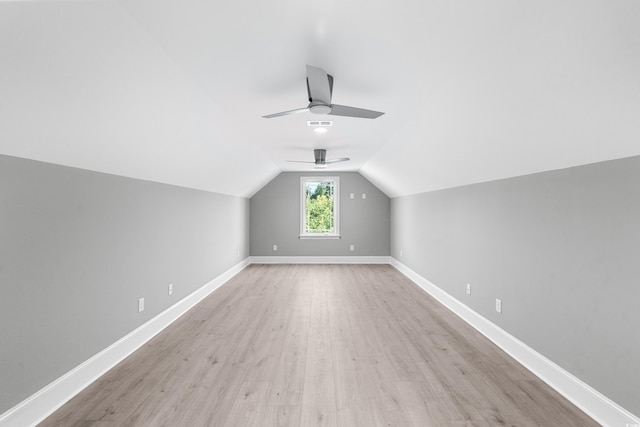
320	155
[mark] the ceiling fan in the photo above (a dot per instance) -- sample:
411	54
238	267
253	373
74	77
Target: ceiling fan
320	89
321	159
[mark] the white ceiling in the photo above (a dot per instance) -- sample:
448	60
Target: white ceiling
173	91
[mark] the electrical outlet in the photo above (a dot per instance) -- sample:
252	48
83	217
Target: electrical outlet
352	196
140	305
400	252
352	248
170	288
498	306
275	247
468	289
364	196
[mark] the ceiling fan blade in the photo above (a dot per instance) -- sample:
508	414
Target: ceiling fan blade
342	110
320	155
319	85
286	113
341	159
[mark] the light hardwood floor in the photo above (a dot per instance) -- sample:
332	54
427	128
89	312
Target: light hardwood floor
307	345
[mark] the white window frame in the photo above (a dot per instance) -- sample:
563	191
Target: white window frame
336	207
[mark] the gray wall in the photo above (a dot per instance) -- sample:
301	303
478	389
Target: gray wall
275	219
560	249
77	250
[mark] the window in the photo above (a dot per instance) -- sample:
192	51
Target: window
319	210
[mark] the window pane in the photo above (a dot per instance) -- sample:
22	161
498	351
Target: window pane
319	207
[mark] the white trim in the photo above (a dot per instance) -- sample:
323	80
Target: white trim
320	260
43	403
593	403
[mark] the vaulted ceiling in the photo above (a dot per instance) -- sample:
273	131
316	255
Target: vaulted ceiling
174	91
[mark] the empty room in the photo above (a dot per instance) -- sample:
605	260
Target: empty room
292	213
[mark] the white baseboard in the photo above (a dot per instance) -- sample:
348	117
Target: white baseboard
593	403
320	260
43	403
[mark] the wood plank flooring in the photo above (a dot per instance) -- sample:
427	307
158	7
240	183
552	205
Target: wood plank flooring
319	345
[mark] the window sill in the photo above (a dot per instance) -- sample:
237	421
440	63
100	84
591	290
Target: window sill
320	236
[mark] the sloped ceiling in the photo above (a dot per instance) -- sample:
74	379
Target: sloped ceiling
173	91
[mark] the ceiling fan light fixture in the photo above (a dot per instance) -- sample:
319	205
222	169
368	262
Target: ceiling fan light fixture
320	109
